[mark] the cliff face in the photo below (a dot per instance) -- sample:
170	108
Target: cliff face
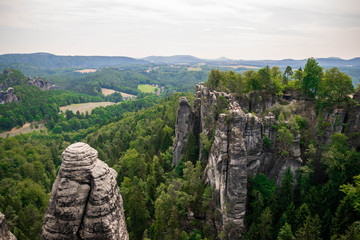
40	83
85	200
8	96
238	150
5	233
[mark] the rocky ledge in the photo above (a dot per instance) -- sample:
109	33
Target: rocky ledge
42	84
85	201
8	96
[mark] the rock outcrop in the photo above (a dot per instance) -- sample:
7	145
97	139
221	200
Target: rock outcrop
5	233
85	201
42	84
238	149
8	96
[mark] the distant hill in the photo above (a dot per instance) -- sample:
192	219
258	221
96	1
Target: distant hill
176	59
47	60
190	60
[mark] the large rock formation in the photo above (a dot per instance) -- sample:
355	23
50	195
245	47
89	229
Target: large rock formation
238	150
5	233
40	83
85	201
8	96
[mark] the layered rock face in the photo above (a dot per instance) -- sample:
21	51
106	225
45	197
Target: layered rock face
5	233
85	201
40	83
8	96
238	151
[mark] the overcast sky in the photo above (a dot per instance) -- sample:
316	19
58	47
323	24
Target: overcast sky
237	29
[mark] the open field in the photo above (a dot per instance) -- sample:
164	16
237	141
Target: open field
24	129
146	88
107	92
88	70
83	107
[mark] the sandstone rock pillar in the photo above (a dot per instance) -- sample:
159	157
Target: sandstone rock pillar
85	201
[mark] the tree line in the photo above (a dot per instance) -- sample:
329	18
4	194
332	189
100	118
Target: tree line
328	88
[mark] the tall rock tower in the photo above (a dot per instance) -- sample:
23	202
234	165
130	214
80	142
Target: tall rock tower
85	201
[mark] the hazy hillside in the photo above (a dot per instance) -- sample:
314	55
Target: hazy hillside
177	59
47	60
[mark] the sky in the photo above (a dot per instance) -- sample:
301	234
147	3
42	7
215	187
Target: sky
236	29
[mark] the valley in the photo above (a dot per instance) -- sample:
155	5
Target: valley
242	154
179	120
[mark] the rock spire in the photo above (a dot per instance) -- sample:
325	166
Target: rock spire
85	200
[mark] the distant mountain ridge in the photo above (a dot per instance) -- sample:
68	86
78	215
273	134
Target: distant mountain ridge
188	59
48	60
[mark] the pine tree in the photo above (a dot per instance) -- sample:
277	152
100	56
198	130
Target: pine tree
286	233
265	225
286	190
310	229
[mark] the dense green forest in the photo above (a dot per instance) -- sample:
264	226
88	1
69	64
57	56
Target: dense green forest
127	79
162	201
122	78
35	104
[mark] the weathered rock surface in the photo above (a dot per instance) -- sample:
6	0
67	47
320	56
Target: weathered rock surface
5	233
8	96
40	83
183	126
85	201
187	122
227	173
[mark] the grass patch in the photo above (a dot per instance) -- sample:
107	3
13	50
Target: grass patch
146	88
